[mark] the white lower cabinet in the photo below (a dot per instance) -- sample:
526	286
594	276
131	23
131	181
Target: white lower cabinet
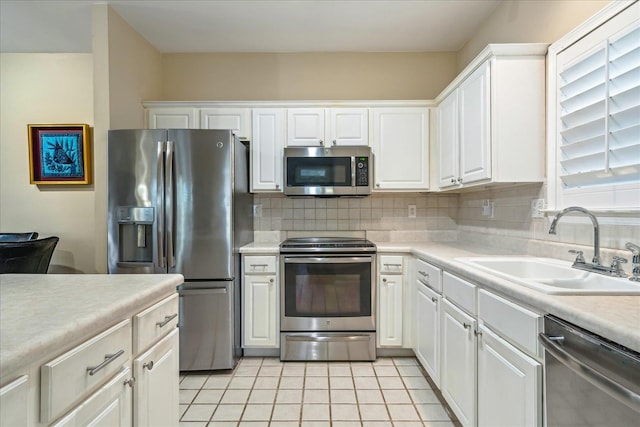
260	326
459	354
390	312
508	384
110	406
427	326
14	402
156	387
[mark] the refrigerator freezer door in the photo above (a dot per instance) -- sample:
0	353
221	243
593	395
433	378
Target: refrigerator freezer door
201	207
135	201
207	326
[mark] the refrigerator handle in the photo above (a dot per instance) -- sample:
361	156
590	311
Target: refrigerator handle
160	210
169	204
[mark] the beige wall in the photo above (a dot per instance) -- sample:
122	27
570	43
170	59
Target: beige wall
45	88
304	76
528	21
127	71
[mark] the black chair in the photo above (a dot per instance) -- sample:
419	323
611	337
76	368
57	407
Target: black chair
18	237
29	256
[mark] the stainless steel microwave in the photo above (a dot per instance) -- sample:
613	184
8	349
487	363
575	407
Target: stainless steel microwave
335	171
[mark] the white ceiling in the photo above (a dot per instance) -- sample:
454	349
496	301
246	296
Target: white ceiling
251	25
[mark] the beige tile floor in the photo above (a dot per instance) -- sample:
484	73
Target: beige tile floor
267	392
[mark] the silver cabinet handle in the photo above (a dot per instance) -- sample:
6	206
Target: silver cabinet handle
459	180
477	333
258	265
270	280
384	280
434	299
108	358
130	382
466	325
320	142
422	273
589	373
277	186
166	320
148	365
453	180
335	142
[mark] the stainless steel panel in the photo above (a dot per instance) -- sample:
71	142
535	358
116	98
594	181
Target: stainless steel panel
133	177
588	381
203	191
333	346
207	329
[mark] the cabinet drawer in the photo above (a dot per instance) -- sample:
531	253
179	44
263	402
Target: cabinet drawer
459	291
390	264
155	322
515	323
429	275
68	378
259	264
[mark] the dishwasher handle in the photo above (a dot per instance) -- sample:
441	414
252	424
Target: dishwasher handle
589	373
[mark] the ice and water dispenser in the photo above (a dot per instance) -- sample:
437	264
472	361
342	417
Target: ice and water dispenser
135	234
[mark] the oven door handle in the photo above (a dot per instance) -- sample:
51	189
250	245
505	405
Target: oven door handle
589	373
329	338
327	260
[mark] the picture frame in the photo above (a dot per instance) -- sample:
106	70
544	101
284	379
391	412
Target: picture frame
59	154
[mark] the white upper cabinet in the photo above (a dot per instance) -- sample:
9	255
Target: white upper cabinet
266	149
236	119
173	118
348	126
491	119
326	127
400	145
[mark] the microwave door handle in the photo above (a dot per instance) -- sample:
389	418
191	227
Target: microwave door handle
160	205
353	171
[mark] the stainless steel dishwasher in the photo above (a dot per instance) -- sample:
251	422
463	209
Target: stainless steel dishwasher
589	381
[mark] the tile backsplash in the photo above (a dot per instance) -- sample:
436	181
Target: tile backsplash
444	217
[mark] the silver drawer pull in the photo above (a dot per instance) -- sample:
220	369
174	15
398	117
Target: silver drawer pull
166	320
434	299
108	358
423	273
149	365
397	265
466	325
259	265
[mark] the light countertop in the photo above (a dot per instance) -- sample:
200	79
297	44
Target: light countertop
616	318
49	313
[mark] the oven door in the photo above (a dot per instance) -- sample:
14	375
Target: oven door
327	293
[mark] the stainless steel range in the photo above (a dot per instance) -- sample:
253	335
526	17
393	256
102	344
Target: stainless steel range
327	299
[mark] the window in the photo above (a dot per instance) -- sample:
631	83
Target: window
594	115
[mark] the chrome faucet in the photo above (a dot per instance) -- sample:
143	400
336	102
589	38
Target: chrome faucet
635	261
596	229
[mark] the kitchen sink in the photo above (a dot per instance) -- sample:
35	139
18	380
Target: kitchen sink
552	276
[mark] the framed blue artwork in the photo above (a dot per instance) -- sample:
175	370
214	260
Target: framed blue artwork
59	154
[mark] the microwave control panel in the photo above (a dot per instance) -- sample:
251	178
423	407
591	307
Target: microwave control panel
362	171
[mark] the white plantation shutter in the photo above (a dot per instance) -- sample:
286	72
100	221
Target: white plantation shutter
598	119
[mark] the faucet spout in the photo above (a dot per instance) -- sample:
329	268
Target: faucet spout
596	228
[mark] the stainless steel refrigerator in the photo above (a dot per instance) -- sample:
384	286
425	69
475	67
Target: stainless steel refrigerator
179	202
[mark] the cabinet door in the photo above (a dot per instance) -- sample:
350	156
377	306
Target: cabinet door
260	325
305	127
401	148
458	374
172	118
110	406
266	149
509	381
14	403
156	388
448	143
348	126
475	126
427	326
390	310
236	119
